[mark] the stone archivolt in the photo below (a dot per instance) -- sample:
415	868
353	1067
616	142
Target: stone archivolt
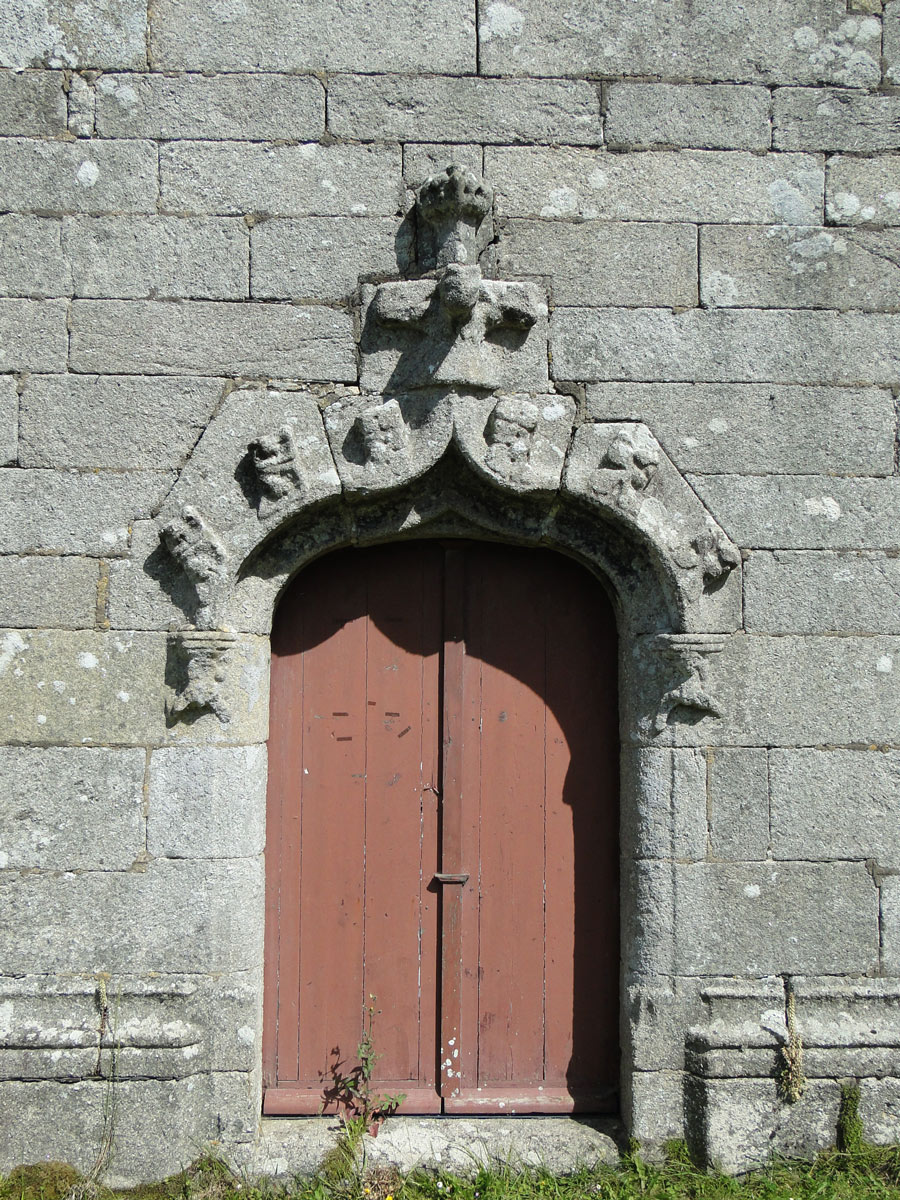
451	360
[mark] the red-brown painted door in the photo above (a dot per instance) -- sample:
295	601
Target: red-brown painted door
442	830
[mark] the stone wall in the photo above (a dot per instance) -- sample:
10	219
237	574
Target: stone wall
199	207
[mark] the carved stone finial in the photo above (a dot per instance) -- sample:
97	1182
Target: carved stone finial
688	653
200	554
274	460
200	659
451	207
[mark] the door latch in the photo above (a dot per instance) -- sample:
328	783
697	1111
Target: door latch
449	877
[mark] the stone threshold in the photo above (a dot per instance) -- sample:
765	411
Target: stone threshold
290	1146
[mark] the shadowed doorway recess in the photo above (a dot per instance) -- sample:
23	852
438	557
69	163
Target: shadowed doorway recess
443	831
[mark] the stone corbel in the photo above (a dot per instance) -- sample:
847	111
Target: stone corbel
688	655
198	659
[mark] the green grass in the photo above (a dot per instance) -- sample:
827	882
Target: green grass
867	1173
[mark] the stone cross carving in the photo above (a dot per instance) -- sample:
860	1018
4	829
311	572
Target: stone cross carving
454	328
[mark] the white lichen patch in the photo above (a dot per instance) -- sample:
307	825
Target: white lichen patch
823	506
88	661
848	55
885	664
751	890
792	205
719	289
11	644
501	21
88	173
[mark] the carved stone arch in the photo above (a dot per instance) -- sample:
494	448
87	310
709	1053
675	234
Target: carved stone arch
280	477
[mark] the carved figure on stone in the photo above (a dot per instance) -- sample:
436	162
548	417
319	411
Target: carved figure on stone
274	461
510	435
384	436
718	557
451	207
688	655
200	554
634	455
199	666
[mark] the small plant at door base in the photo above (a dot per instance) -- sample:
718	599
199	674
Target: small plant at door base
360	1106
361	1109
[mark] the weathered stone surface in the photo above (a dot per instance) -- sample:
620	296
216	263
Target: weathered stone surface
787	42
656	1015
558	1144
862	191
74	513
159	1124
421	160
784	691
815	119
60	592
32	262
758	429
729	918
667	816
306	180
157	257
207	803
255	107
208	338
148	590
702	116
891	42
433	107
263	457
685	185
799	512
322	258
835	804
879	1108
738	804
890	923
622	263
121	421
89	177
796	266
820	592
80	116
9	420
648	914
64	33
69	808
788	346
32	335
652	1104
519	441
33	103
738	1125
460	330
207	917
119	685
336	35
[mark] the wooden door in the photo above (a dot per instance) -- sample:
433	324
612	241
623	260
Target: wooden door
442	831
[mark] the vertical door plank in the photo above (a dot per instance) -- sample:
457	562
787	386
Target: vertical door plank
582	843
452	895
333	815
282	946
400	941
507	636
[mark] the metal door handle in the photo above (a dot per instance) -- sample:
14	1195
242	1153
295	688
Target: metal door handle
445	877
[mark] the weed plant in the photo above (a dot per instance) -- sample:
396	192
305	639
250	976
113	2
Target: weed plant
868	1173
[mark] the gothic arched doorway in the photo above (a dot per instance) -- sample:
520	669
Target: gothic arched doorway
443	830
